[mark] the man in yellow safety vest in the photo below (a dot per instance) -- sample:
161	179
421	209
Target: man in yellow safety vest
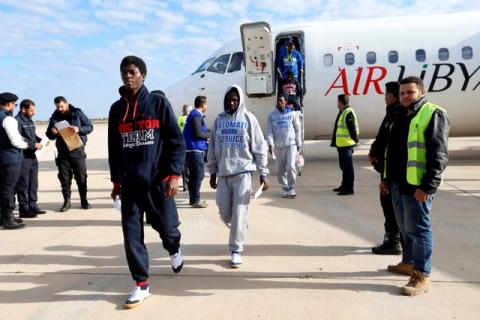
345	138
416	156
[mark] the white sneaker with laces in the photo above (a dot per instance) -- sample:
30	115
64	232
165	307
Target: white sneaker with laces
236	260
136	297
292	193
177	261
285	193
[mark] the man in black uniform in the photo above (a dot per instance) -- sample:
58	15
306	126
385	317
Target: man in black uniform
70	163
27	184
376	156
11	145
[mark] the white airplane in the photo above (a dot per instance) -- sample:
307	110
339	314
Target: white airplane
355	57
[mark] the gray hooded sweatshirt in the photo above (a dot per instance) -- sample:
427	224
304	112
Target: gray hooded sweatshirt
283	129
237	144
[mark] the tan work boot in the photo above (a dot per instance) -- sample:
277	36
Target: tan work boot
418	284
401	268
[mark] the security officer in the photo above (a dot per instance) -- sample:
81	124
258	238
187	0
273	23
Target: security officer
345	138
27	184
391	240
70	163
11	156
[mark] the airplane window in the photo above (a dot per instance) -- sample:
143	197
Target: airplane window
443	54
420	55
393	56
371	57
220	64
328	60
467	53
204	65
349	58
236	62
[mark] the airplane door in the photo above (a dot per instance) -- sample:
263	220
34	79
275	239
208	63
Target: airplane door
259	62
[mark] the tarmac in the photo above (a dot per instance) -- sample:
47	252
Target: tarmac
305	258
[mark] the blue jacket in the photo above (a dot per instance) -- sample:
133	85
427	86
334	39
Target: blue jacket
145	144
77	118
26	127
191	141
8	153
289	62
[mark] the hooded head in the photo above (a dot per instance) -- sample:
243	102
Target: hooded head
234	99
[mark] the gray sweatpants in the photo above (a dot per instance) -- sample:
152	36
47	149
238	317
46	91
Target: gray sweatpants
233	198
286	169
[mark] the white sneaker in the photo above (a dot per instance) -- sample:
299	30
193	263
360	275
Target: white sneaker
292	193
285	193
236	260
177	261
136	297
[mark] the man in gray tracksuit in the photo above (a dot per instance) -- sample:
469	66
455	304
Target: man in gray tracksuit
237	148
283	132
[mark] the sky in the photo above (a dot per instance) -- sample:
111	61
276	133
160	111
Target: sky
73	48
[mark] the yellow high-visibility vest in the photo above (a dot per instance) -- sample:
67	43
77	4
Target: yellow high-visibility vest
342	135
417	159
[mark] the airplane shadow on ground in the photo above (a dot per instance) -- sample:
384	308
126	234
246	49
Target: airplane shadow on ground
107	265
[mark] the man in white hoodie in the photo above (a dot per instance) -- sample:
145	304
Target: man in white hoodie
283	132
237	148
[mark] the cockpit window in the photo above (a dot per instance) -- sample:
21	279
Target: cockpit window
204	65
220	64
236	62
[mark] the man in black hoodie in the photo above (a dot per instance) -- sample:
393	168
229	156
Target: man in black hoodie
70	163
146	153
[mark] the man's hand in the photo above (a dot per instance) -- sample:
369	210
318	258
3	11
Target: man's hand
270	150
383	187
171	188
263	179
420	195
75	129
54	131
213	181
301	103
38	146
117	187
372	159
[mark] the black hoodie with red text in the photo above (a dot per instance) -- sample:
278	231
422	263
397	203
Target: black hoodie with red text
145	144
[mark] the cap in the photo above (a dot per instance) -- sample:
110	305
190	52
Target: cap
8	97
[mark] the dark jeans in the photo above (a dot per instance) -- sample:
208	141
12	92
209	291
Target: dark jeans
345	160
185	175
27	185
10	174
196	175
69	167
162	215
391	225
413	218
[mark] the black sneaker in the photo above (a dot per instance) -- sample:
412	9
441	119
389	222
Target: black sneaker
38	211
346	193
27	214
338	189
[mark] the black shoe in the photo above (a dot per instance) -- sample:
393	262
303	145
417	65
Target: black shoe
27	214
85	205
390	245
66	206
346	192
11	224
38	211
338	189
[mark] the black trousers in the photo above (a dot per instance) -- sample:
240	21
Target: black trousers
27	185
196	174
162	215
10	174
345	161
69	167
391	225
